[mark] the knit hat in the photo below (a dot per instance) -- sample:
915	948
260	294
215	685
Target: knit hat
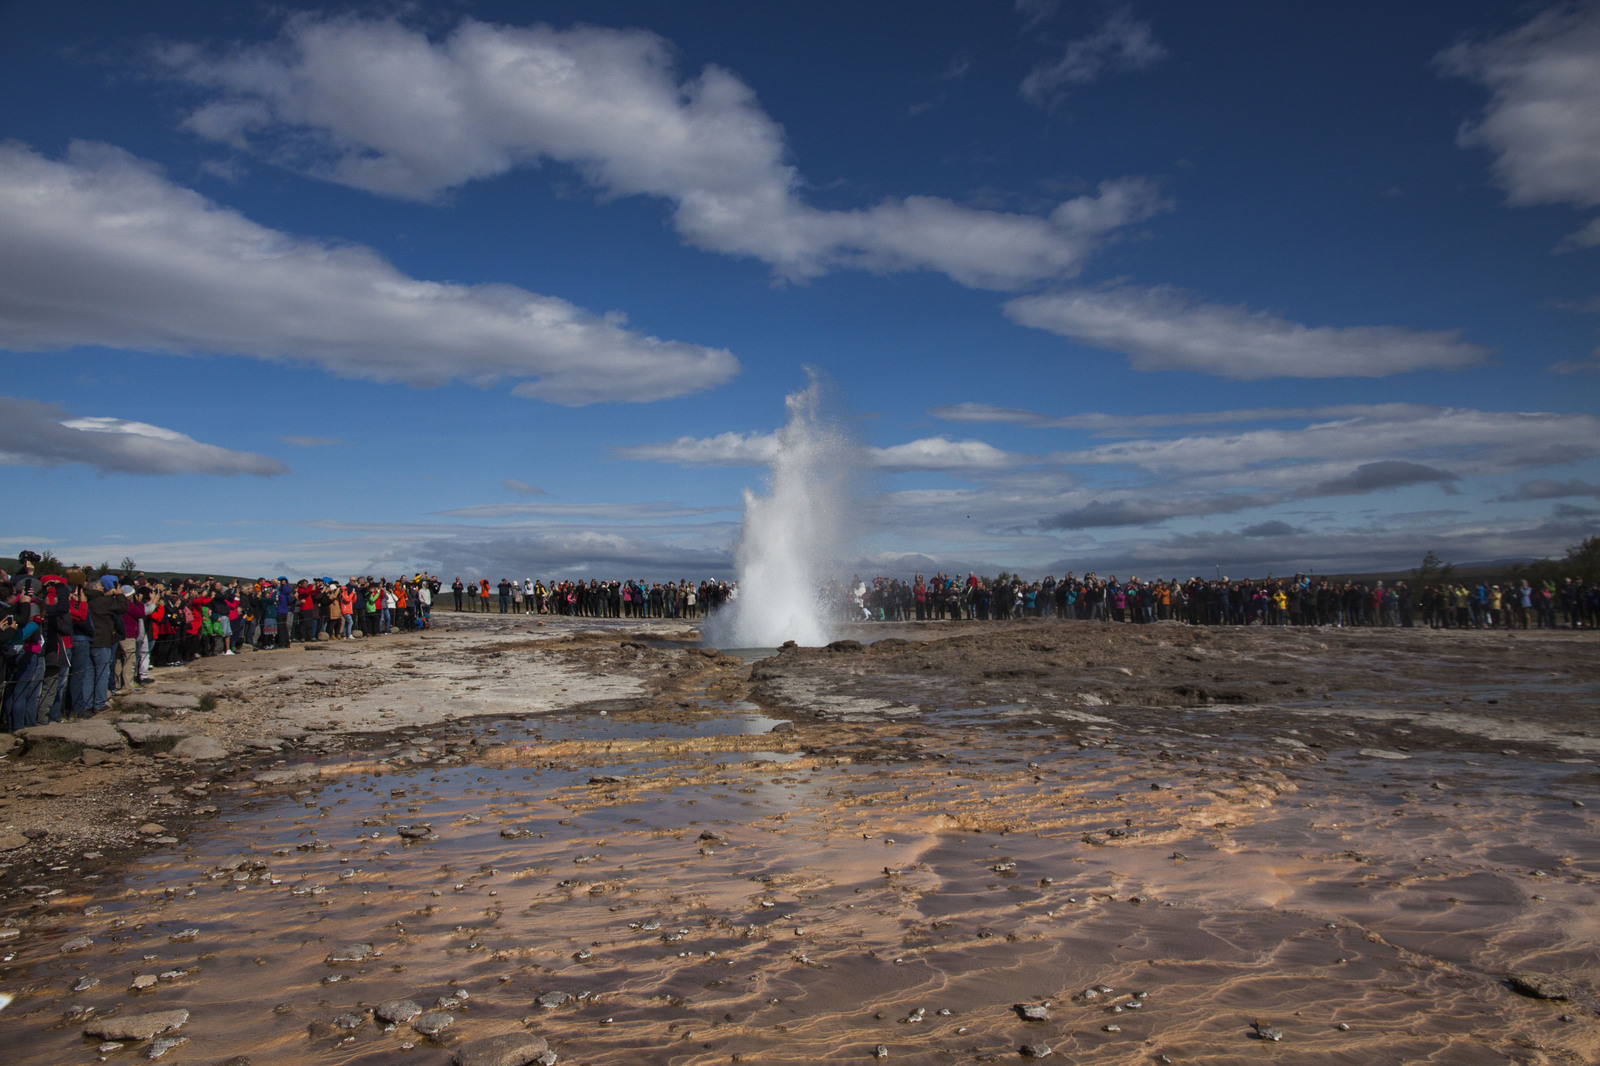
108	582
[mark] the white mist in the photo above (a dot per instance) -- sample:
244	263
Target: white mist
793	539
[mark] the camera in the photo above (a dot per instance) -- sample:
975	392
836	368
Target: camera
29	557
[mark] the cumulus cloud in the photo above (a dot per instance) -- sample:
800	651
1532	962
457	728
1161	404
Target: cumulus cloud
1161	328
1542	121
377	106
1383	474
1151	509
1550	489
42	434
1120	43
100	249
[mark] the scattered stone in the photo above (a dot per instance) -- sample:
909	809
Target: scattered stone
1037	1051
161	1045
552	1000
397	1011
83	984
1032	1012
350	953
350	1020
201	749
12	841
109	1046
142	733
77	943
1266	1032
137	1026
93	757
433	1022
421	831
144	981
880	1052
511	1049
1380	753
152	829
1542	985
184	934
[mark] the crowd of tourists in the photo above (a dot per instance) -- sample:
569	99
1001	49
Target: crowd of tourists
1296	601
73	639
593	598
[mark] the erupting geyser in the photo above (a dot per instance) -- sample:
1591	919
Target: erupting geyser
793	539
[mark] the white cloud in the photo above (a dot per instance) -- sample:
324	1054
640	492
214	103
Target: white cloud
931	454
725	449
1163	329
380	107
102	250
522	487
1121	43
1542	121
41	434
1122	424
940	454
1472	442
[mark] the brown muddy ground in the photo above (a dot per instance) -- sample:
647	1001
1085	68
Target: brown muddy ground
1157	835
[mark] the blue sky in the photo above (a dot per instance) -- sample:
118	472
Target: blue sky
518	289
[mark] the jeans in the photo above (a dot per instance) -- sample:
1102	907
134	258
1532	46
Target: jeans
22	698
101	659
80	683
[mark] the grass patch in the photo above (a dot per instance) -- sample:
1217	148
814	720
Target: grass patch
208	702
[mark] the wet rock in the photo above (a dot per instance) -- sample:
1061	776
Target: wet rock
77	943
350	953
288	777
1380	753
1542	985
152	829
349	1020
199	748
83	984
552	1000
184	934
1266	1032
433	1022
1036	1051
137	1026
397	1011
511	1049
420	831
144	981
1032	1012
